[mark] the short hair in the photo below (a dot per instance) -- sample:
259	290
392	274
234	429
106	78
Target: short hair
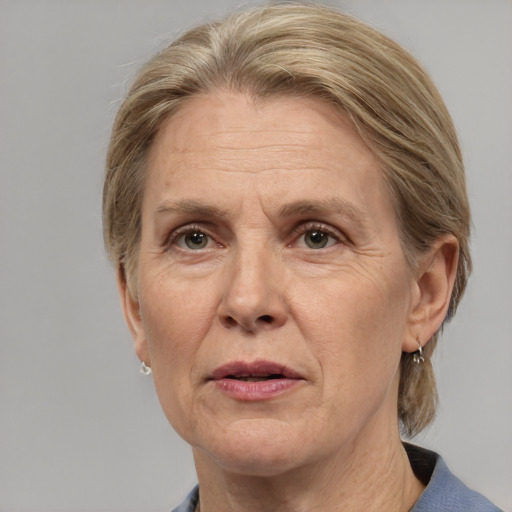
308	51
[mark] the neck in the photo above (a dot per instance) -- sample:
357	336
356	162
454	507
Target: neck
372	474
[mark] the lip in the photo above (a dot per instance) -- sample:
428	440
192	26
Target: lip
280	379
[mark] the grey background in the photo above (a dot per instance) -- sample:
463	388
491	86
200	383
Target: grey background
80	428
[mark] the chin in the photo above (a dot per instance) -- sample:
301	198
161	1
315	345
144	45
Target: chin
261	447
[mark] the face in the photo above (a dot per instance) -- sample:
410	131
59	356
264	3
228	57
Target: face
273	294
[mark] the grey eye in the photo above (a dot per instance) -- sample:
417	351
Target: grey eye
316	239
195	240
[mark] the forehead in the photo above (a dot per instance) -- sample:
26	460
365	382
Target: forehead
228	121
283	149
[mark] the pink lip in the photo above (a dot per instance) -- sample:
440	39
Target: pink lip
279	379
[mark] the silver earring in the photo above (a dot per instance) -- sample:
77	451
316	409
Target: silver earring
418	355
144	369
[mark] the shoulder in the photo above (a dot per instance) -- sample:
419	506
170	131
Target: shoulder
190	502
444	491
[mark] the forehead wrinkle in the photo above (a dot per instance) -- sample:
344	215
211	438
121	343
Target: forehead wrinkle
278	148
247	133
251	129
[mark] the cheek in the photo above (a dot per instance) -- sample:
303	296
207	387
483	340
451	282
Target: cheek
355	323
175	321
174	325
356	334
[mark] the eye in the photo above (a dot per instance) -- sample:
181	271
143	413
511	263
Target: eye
317	238
193	240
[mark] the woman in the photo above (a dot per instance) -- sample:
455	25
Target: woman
285	205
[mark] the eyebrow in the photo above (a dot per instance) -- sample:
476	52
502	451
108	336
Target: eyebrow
334	205
324	206
190	208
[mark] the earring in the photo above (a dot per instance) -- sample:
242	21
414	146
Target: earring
144	369
418	355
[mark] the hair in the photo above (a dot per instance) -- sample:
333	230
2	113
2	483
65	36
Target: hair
308	51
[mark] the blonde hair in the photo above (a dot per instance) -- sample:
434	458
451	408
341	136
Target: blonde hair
308	50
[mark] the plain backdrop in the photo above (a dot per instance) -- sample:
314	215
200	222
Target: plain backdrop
80	428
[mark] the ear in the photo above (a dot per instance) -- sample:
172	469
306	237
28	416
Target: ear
131	310
435	278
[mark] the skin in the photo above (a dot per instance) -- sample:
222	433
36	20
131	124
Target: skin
230	269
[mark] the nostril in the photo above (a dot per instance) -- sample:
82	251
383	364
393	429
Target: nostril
230	321
266	318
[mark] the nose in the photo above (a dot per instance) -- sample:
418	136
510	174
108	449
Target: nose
253	298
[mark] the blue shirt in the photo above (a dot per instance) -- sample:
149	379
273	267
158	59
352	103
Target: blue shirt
444	492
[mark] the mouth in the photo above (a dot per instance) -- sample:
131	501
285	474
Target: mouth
255	381
256	378
255	371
